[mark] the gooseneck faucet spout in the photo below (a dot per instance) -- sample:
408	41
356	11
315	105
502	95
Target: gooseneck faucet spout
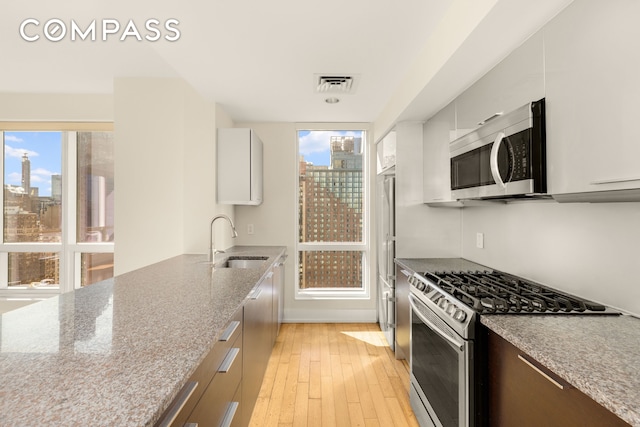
234	233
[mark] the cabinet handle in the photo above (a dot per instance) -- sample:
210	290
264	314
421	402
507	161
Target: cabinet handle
490	118
613	181
282	260
561	384
229	414
178	403
228	360
228	333
191	425
256	294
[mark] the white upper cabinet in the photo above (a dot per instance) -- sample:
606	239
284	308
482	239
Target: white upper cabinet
239	167
514	82
386	152
593	92
438	131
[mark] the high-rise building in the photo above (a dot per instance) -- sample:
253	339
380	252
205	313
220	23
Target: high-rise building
26	174
331	211
56	187
30	218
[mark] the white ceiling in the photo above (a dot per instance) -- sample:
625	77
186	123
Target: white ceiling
255	58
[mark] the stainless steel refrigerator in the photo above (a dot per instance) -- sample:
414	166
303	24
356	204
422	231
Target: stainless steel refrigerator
386	241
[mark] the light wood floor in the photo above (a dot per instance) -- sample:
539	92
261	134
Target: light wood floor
333	375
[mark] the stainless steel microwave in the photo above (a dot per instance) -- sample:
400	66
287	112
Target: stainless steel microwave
503	158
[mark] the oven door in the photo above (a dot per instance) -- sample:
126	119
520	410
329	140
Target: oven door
441	373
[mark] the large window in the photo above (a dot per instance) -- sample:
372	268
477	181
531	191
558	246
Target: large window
332	251
58	207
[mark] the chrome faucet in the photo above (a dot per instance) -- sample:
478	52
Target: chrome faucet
234	233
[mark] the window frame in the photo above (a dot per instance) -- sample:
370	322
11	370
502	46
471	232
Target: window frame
364	246
69	249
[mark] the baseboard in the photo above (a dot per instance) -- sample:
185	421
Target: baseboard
330	316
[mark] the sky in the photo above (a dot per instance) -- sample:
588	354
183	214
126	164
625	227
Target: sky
45	154
314	144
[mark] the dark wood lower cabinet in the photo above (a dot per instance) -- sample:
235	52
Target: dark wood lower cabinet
224	389
258	342
522	393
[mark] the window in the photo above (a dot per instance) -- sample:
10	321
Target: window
58	207
332	249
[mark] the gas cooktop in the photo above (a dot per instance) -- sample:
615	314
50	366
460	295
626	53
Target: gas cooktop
501	293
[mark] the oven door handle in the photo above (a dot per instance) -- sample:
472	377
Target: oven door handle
413	300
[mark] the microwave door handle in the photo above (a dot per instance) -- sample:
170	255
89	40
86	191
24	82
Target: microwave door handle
493	160
434	328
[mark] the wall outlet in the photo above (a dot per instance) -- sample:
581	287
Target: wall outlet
249	228
480	240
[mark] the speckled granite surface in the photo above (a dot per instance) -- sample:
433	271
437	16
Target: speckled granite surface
116	353
599	355
419	265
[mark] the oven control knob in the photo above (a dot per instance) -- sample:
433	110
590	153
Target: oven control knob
443	303
459	315
450	310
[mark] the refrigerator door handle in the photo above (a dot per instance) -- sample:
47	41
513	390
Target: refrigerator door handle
387	300
390	259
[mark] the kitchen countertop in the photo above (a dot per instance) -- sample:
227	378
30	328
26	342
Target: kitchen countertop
118	352
597	354
420	265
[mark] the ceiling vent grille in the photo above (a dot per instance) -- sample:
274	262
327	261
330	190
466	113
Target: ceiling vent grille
335	84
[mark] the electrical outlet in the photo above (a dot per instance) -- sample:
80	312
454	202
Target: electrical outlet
249	228
480	240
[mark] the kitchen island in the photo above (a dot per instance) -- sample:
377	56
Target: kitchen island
118	352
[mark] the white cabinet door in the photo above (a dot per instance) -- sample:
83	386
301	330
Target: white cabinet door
592	52
438	131
514	82
386	152
239	167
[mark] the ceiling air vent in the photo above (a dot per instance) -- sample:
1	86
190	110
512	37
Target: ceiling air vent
335	84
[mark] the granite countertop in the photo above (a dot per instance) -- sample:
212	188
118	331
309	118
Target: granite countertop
420	265
597	354
118	352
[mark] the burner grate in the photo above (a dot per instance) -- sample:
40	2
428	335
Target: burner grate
496	292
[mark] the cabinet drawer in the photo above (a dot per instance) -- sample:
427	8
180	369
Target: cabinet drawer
524	393
193	390
220	400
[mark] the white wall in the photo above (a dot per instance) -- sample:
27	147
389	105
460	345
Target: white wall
149	171
164	171
56	107
201	120
421	231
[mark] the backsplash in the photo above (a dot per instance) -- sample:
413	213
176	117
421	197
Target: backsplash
591	250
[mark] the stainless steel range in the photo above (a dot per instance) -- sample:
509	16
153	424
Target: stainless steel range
448	354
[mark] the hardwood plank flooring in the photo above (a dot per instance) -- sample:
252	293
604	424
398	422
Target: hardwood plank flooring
326	374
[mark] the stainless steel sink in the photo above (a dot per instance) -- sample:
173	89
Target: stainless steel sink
242	262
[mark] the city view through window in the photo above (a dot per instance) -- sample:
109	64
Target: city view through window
34	206
330	209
